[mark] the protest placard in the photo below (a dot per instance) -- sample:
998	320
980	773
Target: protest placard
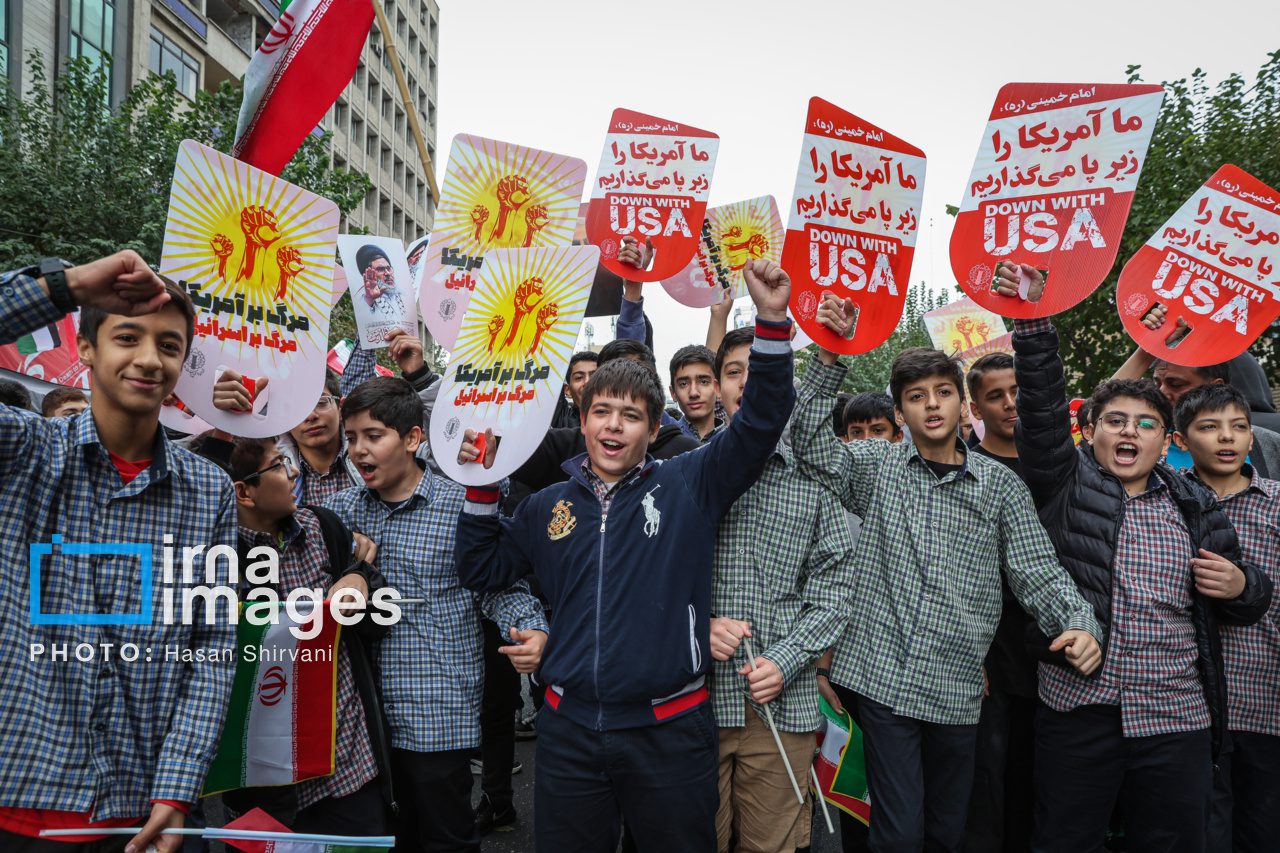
653	183
851	229
732	234
508	366
256	255
962	325
382	295
1051	187
1213	266
495	196
49	354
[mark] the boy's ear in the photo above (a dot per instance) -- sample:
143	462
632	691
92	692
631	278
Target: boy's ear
898	419
653	429
413	439
974	412
244	497
84	348
1087	432
1180	440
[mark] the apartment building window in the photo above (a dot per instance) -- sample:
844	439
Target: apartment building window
93	25
357	128
397	173
341	115
165	55
4	39
386	106
402	24
385	161
384	210
370	144
399	126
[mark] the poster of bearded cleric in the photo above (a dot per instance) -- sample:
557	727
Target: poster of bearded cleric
382	291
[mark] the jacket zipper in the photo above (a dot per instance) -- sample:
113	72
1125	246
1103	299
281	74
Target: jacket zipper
604	516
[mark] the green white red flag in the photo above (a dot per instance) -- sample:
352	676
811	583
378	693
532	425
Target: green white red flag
840	765
304	63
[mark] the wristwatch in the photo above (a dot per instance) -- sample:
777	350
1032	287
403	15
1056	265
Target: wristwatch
823	671
54	272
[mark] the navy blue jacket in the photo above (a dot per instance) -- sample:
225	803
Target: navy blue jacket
630	591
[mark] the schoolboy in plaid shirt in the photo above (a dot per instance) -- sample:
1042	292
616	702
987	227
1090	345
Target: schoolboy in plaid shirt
1161	565
431	661
1213	426
110	741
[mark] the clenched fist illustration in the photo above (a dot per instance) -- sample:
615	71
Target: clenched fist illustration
527	297
535	219
512	192
260	231
289	259
221	245
546	319
495	329
479	215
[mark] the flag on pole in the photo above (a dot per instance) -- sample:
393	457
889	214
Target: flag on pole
41	340
258	820
281	723
841	768
304	63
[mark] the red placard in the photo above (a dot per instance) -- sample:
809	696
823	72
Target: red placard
49	354
1051	187
653	182
1214	265
851	230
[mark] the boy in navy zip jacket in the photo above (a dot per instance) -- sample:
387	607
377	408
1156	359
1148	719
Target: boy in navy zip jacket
623	552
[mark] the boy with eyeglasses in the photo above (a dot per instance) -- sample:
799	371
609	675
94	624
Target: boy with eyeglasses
1161	565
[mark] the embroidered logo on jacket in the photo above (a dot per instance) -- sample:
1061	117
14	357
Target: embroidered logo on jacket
652	517
562	521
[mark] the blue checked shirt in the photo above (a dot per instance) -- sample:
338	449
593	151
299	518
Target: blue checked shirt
107	735
432	660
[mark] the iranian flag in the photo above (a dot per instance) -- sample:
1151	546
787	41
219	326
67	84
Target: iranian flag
305	62
41	340
281	723
840	766
258	832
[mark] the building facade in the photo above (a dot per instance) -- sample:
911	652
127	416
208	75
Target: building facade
205	42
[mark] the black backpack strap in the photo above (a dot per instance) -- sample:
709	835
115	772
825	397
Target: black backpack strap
337	538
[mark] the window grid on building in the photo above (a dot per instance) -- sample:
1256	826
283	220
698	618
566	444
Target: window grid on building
92	29
165	55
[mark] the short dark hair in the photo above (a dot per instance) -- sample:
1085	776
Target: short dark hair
1207	372
248	456
14	393
989	363
626	348
623	377
332	383
388	399
691	354
583	355
868	406
91	318
1209	398
1139	389
57	397
1082	413
732	340
916	363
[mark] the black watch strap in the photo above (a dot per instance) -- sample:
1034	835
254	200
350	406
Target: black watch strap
823	671
55	276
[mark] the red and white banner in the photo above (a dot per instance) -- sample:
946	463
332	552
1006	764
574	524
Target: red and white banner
653	183
852	226
732	234
1215	265
1051	187
52	355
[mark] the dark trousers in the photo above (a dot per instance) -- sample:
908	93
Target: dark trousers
12	843
854	834
1085	767
919	775
1245	816
662	779
362	812
498	708
1003	797
434	793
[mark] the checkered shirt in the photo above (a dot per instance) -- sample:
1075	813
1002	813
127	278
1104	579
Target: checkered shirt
1150	669
108	735
784	563
1252	652
431	661
604	491
927	565
304	563
316	487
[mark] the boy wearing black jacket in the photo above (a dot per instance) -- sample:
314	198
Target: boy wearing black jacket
1161	565
623	551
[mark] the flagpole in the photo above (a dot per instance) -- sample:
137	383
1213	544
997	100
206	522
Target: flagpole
777	739
389	44
817	792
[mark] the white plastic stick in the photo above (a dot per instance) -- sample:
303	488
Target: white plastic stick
768	715
236	834
826	810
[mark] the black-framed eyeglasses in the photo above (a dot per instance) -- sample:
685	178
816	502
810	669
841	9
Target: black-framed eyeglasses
283	462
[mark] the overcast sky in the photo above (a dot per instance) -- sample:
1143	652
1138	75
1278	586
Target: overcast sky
548	74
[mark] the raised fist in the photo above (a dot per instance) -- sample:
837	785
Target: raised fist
495	328
260	231
479	214
535	219
512	192
734	231
526	298
221	245
770	288
545	320
289	259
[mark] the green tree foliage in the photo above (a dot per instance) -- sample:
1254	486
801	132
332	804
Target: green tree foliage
1199	130
79	180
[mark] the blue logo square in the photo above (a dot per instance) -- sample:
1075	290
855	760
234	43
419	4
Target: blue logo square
142	552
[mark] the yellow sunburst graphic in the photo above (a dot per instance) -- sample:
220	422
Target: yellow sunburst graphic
745	230
525	315
499	196
247	244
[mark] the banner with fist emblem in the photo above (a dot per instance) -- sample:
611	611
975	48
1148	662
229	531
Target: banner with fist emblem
256	255
732	234
507	367
495	196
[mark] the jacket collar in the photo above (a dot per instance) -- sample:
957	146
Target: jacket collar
965	468
576	469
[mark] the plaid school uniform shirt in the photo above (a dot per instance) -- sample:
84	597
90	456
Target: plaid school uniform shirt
927	594
304	563
1150	669
431	661
783	563
1251	653
108	735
